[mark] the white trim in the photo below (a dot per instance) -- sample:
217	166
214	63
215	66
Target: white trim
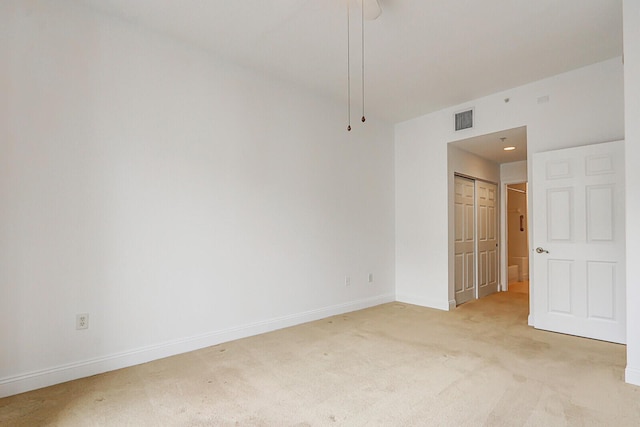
424	302
632	375
452	304
80	369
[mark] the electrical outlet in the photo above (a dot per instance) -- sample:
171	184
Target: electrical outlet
347	280
82	321
370	277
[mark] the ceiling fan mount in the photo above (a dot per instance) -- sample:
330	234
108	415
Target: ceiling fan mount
371	9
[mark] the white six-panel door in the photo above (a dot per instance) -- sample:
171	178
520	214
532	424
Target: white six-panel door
578	261
487	238
464	241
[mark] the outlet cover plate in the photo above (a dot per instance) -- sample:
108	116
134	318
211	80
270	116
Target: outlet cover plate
82	321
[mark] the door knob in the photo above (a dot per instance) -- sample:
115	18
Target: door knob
541	251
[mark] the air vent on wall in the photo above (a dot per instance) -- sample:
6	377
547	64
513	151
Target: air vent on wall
464	120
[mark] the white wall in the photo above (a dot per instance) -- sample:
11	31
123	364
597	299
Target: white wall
585	106
178	200
514	172
631	24
471	165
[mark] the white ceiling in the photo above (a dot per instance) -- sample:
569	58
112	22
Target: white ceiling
421	56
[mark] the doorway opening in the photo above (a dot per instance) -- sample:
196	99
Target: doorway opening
484	159
517	238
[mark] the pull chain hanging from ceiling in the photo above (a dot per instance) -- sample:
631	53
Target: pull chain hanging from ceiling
348	67
362	19
372	12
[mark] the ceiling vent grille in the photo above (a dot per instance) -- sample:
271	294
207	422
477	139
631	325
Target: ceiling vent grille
464	120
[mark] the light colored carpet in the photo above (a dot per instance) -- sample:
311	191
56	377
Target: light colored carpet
394	364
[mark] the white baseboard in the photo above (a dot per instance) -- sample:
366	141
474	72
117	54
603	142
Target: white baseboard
632	375
424	302
72	371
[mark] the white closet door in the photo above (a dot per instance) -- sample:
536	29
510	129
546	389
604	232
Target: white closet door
487	220
464	239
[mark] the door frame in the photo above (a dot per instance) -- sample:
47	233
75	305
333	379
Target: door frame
504	254
466	164
499	221
504	244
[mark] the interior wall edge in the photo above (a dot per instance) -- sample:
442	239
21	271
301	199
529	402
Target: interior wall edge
632	375
55	375
631	35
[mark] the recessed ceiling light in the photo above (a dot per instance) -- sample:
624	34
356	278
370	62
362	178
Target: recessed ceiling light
509	148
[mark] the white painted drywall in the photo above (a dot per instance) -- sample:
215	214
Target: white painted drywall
585	106
631	24
179	200
514	172
471	165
